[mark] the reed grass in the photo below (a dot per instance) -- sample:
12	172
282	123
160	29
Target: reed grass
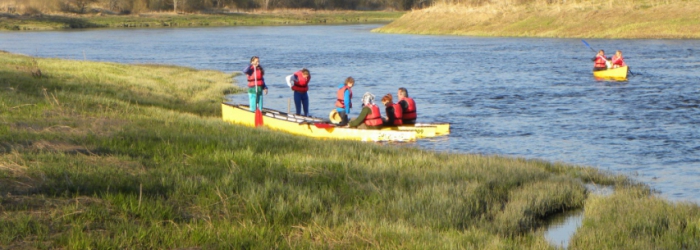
582	19
104	155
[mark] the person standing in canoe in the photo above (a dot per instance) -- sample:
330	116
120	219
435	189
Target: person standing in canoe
299	83
256	83
369	117
343	102
394	112
408	106
600	62
617	60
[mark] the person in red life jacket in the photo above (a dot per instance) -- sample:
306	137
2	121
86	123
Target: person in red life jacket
617	60
369	117
299	83
256	83
394	112
343	102
408	105
600	62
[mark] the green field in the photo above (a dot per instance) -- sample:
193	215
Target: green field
98	155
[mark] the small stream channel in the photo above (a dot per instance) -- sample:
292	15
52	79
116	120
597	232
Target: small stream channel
563	226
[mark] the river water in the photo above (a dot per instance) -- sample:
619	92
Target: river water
521	97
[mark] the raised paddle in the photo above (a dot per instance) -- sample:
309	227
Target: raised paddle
589	46
258	113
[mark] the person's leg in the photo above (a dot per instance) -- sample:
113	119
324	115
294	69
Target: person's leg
251	101
297	102
260	101
305	103
343	118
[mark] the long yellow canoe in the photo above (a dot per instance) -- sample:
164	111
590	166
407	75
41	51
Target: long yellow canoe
423	130
241	114
615	73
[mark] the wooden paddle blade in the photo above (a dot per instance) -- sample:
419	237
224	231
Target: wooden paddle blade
258	118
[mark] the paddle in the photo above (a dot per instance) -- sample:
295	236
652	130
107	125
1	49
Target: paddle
589	46
318	124
258	113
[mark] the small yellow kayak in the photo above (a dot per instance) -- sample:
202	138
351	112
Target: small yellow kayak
619	74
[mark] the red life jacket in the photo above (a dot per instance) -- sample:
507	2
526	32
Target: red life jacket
398	114
256	78
340	102
410	112
619	61
374	118
600	62
302	85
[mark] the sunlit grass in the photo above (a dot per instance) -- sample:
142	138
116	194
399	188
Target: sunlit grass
595	19
103	155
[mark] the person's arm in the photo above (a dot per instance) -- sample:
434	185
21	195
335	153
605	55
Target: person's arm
403	104
248	70
291	79
390	117
360	118
347	101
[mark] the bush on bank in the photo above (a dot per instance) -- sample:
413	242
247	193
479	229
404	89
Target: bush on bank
105	155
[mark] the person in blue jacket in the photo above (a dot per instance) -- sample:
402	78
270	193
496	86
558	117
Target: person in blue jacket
343	102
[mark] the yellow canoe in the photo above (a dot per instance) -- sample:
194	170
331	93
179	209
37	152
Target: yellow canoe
615	73
241	114
423	130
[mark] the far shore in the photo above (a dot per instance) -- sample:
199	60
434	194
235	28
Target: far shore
619	20
610	20
64	21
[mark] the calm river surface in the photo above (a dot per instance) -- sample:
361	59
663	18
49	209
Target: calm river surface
522	97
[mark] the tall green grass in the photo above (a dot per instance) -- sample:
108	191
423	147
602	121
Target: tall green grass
103	155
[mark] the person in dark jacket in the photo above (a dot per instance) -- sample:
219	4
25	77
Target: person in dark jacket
394	112
408	105
600	62
256	83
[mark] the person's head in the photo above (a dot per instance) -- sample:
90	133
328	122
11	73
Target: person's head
255	61
618	53
402	93
305	72
349	81
387	100
367	98
601	52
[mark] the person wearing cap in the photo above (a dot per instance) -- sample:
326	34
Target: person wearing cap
394	112
256	84
408	106
369	117
343	102
299	83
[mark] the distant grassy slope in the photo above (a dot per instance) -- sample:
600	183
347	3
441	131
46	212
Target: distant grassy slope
65	21
584	19
112	156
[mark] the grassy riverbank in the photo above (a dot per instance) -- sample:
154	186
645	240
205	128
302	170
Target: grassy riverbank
104	155
581	19
292	17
